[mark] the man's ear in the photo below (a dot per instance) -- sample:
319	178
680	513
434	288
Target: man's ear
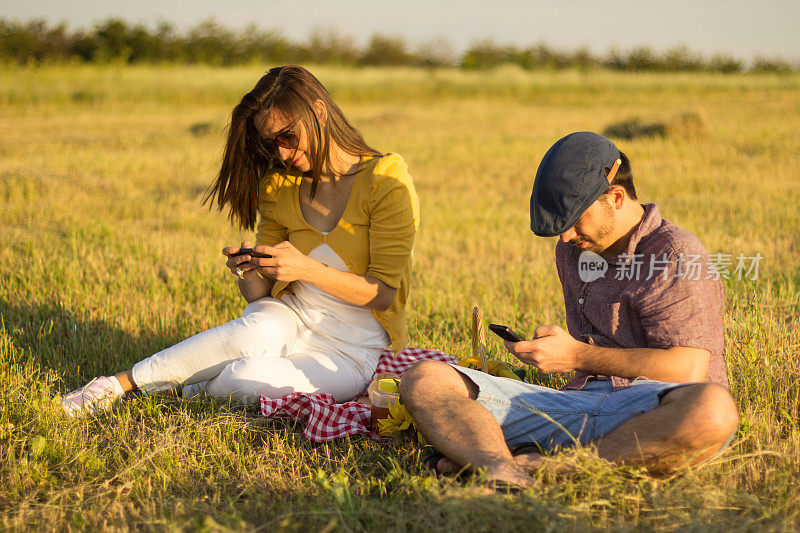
617	196
321	110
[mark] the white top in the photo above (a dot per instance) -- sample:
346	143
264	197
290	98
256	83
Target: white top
344	321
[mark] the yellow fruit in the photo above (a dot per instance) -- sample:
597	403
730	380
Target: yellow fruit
471	362
503	373
494	366
388	385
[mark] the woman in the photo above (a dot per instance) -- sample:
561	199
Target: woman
327	282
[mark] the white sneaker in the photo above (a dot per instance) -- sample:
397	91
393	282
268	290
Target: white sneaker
95	396
194	391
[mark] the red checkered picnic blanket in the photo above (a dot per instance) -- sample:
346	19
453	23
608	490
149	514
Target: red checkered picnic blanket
327	420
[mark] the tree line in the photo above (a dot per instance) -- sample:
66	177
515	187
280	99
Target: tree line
115	40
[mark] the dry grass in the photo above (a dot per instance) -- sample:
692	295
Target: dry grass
107	256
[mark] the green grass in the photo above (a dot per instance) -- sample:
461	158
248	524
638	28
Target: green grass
106	256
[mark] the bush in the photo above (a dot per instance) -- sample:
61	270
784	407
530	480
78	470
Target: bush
487	54
115	40
383	50
773	65
436	53
33	41
725	64
330	47
681	59
688	125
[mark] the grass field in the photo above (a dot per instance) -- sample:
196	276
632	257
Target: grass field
106	256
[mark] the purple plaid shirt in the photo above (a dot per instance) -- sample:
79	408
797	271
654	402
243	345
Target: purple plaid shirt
661	293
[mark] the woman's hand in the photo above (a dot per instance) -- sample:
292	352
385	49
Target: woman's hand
241	266
287	263
251	284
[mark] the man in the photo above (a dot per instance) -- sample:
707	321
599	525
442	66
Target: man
644	315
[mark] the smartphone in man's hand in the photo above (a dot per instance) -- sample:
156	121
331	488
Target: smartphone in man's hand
505	332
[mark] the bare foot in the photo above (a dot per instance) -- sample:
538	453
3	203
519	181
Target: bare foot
536	462
446	466
510	473
530	461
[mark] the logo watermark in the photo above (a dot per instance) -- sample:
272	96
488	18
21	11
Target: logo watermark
592	267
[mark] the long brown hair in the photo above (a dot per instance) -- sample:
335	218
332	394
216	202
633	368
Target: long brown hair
290	91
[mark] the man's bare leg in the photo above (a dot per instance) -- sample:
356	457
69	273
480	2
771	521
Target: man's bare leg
691	425
458	426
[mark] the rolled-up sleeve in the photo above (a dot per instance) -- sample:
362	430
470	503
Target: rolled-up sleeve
394	220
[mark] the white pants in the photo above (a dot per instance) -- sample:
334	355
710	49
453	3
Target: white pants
267	351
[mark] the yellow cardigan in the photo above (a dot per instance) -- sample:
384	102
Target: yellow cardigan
374	237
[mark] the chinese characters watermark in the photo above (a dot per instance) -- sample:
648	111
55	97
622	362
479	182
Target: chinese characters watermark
592	266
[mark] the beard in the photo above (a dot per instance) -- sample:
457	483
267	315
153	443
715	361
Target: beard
602	232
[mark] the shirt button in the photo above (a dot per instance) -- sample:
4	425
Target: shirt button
580	301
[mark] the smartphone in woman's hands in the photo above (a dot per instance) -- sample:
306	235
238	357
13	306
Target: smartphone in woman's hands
249	251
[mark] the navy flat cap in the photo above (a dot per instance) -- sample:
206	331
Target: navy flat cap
571	176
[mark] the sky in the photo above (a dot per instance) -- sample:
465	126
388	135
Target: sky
741	28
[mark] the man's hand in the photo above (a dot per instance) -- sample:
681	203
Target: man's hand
551	350
554	350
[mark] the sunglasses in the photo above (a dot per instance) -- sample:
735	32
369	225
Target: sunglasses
285	138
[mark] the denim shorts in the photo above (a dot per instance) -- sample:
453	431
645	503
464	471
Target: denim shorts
551	417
